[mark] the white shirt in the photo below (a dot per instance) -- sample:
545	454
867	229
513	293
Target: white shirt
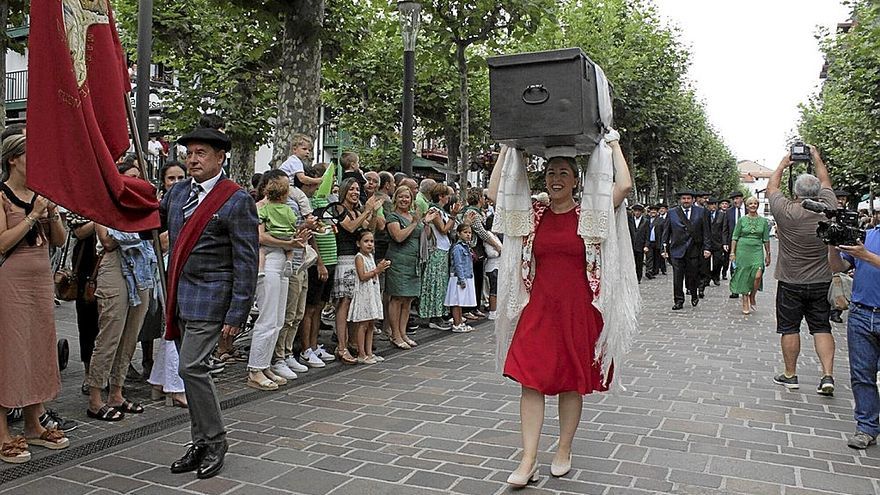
155	148
292	166
638	221
206	186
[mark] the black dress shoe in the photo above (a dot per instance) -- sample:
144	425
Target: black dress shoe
701	293
716	282
677	306
695	301
190	461
212	462
733	296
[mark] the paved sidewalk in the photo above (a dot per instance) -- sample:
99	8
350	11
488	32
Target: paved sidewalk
700	416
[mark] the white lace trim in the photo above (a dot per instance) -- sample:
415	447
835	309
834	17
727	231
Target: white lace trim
512	223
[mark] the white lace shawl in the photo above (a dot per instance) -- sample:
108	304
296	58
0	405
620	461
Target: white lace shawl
617	297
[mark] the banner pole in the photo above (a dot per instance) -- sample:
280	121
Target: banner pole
138	149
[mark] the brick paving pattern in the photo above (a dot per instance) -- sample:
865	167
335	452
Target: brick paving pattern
700	415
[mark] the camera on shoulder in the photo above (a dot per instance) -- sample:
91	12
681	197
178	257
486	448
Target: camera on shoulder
843	227
800	152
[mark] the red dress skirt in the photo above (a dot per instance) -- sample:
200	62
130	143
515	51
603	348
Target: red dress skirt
553	346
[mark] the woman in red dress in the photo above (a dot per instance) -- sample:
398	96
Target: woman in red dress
553	347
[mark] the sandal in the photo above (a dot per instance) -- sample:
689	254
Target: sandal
345	357
51	439
106	413
401	344
259	381
15	451
129	407
411	342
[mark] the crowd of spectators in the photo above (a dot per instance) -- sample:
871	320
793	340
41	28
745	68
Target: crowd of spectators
373	254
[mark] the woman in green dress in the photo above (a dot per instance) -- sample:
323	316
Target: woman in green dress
751	234
403	280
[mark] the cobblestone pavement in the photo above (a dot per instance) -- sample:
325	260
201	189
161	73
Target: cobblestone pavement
700	415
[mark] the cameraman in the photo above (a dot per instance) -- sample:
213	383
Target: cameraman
842	201
802	271
863	332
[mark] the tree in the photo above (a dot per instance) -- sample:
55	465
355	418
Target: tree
221	57
12	12
843	119
465	23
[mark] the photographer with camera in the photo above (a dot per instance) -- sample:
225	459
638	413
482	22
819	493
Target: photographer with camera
802	270
862	332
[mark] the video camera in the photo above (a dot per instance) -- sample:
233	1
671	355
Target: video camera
800	152
842	230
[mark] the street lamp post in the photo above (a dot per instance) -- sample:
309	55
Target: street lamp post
409	26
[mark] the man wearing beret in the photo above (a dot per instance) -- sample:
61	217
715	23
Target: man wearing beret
686	241
212	277
638	233
736	211
718	232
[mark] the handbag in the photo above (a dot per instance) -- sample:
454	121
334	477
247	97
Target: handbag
66	283
92	282
309	258
840	291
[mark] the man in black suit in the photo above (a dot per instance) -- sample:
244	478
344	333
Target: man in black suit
656	222
686	241
718	232
638	232
723	206
736	211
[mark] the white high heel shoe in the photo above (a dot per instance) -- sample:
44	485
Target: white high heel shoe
560	469
519	481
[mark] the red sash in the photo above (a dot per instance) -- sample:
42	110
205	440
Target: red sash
190	233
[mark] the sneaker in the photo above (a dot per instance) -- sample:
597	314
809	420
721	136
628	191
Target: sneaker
51	420
787	382
441	325
14	414
328	313
311	359
826	386
295	365
323	355
461	328
493	315
861	440
412	325
280	368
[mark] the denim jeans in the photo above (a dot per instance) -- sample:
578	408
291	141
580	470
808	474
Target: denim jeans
863	337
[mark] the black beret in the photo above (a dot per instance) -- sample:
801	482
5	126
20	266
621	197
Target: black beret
207	135
685	192
638	206
712	200
653	207
840	193
736	194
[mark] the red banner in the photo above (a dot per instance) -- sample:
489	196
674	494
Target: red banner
77	116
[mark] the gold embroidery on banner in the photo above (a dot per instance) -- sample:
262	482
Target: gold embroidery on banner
78	16
69	99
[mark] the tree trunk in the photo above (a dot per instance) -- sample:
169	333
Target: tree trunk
655	184
452	143
243	158
299	84
464	109
4	17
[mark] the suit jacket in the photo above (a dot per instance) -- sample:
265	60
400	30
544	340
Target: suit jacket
718	229
731	223
678	239
659	227
641	234
219	279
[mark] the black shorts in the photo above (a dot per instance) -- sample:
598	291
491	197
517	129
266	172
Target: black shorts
795	302
493	282
319	290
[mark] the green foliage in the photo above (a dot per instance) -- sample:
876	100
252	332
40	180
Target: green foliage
221	56
843	119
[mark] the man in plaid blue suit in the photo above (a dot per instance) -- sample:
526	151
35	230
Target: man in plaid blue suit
215	286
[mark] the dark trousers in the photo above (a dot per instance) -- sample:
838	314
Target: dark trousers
87	327
198	339
717	263
656	263
705	271
685	273
725	263
639	255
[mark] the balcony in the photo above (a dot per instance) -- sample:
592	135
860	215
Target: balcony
16	90
18	32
